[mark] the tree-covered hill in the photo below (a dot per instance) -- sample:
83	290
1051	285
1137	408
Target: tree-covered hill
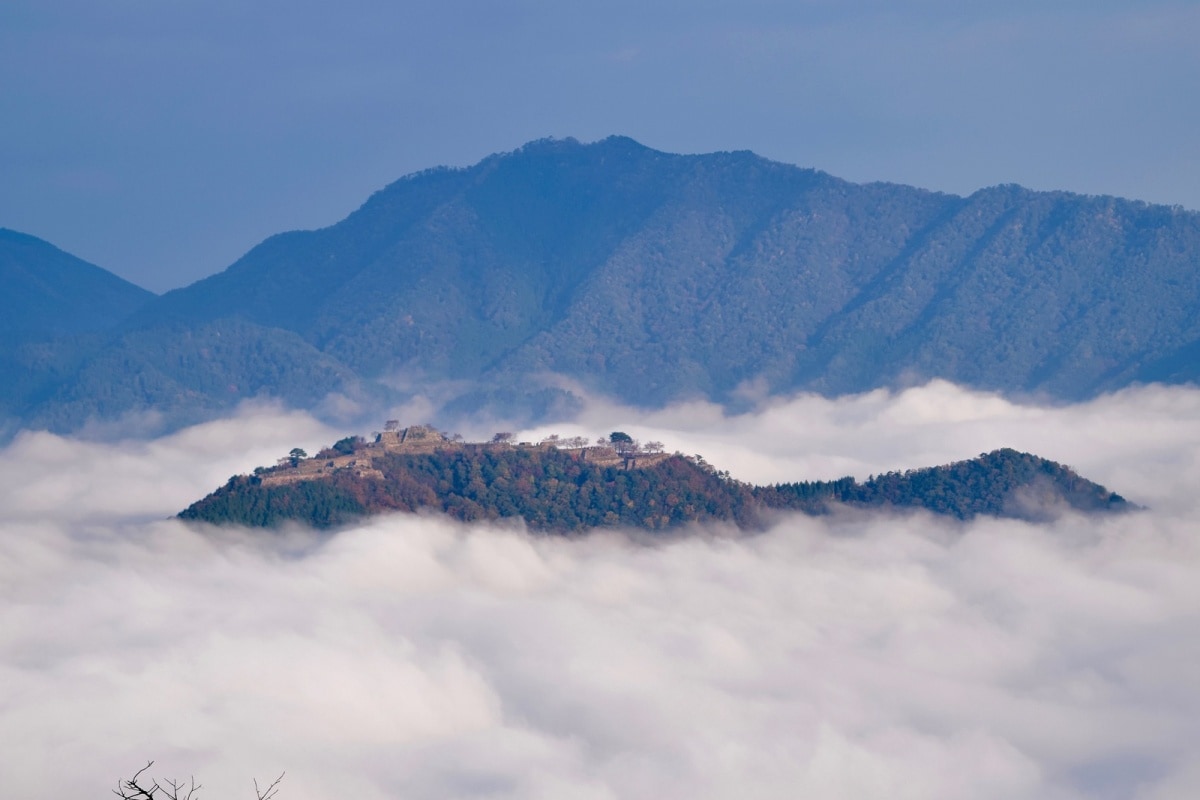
562	491
651	276
1003	483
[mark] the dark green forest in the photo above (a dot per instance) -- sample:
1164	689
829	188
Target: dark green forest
1003	483
557	491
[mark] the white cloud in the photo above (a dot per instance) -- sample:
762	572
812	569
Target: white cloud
1141	442
851	656
45	476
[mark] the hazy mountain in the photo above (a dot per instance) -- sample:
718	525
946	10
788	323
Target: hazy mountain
66	358
653	276
54	310
49	292
182	374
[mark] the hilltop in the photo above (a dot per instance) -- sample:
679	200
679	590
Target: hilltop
565	485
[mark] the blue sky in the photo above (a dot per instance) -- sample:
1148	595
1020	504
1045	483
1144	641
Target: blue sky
161	140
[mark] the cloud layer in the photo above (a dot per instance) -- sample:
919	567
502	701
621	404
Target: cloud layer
858	656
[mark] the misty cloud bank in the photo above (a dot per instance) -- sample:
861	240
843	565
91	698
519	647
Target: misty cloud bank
853	656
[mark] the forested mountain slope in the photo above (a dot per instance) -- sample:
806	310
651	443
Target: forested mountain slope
652	276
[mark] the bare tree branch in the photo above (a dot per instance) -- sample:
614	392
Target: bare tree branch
271	790
177	786
134	789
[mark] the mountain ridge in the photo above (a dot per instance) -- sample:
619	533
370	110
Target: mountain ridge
650	276
48	291
570	485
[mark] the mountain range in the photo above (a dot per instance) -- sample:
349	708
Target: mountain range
643	275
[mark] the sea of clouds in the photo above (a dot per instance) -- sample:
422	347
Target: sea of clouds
854	656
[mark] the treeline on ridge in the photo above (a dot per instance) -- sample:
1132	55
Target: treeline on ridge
557	491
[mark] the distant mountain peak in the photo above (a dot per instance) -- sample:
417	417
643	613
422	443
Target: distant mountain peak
567	144
45	291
